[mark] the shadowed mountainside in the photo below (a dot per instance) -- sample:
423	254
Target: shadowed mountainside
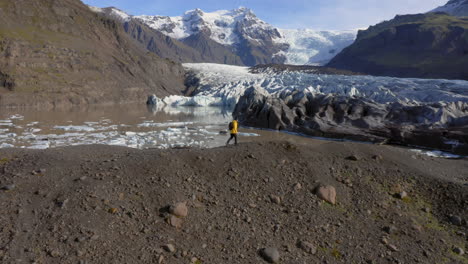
433	45
60	53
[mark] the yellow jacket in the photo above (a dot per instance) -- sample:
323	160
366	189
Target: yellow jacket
235	126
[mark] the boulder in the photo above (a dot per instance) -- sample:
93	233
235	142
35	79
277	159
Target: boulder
271	255
179	210
327	193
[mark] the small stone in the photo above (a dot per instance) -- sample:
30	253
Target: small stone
179	210
353	158
275	199
9	187
307	247
377	157
392	247
456	220
384	241
458	251
169	248
54	253
113	210
62	203
175	221
161	259
427	210
298	186
417	227
389	229
327	193
270	255
401	195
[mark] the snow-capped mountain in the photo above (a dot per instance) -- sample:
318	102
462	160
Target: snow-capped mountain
454	7
239	37
239	30
224	27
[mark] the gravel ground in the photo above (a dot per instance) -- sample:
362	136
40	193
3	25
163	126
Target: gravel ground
257	202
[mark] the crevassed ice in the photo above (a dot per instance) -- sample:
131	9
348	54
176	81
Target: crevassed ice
226	83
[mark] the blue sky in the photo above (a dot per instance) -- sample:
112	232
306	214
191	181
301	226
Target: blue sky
316	14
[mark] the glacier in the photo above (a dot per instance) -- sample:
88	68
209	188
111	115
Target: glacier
223	85
313	47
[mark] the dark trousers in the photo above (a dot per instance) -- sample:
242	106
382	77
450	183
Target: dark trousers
233	136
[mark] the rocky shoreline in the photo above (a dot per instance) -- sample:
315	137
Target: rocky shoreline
441	126
261	202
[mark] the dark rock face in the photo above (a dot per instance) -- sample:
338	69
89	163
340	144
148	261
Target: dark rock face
60	53
160	44
431	125
433	45
211	51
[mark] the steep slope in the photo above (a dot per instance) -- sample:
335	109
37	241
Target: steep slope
454	8
59	53
433	45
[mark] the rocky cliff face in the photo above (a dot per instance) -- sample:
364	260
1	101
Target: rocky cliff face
60	53
433	45
435	125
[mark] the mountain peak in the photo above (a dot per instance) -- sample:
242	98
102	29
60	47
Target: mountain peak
454	7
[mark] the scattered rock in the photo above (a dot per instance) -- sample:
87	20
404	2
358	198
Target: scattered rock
458	251
456	220
9	187
62	203
307	247
389	229
392	247
270	255
298	186
54	253
401	195
169	248
353	158
179	210
327	193
175	221
113	210
377	157
275	199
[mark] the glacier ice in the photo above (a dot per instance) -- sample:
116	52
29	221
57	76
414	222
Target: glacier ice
225	84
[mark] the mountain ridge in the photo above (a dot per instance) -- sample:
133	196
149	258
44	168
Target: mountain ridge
245	36
454	7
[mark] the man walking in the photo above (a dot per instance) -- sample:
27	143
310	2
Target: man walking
233	130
